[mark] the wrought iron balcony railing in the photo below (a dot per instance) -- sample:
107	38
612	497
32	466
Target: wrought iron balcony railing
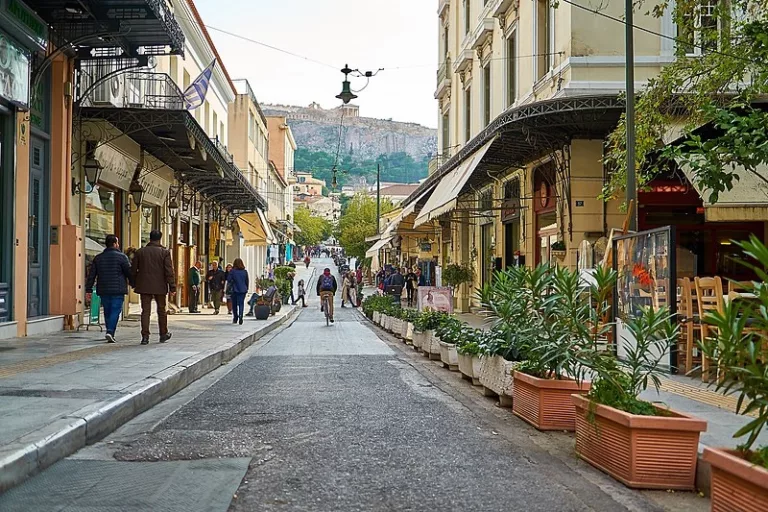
103	83
223	150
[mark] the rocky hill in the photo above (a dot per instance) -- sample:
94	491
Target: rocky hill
363	138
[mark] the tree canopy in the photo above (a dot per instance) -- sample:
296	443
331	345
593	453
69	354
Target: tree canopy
358	221
709	91
313	229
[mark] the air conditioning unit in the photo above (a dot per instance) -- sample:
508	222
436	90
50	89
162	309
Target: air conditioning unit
110	92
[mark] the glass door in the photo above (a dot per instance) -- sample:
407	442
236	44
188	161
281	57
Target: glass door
37	225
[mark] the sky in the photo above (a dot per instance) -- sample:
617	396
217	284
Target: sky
397	35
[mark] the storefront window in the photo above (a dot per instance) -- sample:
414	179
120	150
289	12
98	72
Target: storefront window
100	209
149	216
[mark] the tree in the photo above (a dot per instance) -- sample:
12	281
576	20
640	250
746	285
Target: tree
358	221
720	70
313	229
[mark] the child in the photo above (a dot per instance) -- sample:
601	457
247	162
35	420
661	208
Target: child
301	294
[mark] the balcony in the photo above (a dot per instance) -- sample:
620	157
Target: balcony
464	61
444	73
482	33
436	162
136	27
500	7
150	109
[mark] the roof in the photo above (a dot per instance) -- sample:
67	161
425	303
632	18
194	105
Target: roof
399	190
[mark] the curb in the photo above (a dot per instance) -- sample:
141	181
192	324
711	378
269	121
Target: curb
55	441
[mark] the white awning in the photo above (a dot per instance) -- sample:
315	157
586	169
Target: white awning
446	194
408	210
746	201
374	250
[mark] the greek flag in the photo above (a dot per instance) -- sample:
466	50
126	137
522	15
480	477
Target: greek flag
194	95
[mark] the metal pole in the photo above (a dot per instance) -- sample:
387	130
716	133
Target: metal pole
630	114
378	198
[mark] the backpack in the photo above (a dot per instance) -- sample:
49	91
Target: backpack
326	283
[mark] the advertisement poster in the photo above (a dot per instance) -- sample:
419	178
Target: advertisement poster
436	298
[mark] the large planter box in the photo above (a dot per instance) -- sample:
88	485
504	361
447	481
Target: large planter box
431	347
404	330
546	403
396	327
644	452
737	484
465	367
419	339
385	321
449	356
497	379
376	317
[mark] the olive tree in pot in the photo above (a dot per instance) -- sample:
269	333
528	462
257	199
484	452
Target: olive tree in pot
740	476
641	444
455	275
562	324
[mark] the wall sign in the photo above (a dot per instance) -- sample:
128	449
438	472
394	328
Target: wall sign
14	72
510	210
155	188
25	24
579	203
118	168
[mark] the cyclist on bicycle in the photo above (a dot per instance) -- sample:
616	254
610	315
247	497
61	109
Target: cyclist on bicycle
326	287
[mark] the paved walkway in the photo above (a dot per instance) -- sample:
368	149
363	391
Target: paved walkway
60	391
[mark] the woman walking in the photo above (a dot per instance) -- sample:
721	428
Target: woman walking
237	285
227	293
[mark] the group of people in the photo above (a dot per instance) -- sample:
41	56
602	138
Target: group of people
152	277
392	282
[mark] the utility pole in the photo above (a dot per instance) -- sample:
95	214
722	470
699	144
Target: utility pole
378	198
630	114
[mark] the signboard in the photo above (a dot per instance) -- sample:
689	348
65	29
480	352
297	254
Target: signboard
118	168
14	72
155	188
435	298
25	24
510	209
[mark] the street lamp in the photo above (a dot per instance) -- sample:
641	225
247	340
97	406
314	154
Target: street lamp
137	193
346	95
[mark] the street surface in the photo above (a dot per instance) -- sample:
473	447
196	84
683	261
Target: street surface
337	418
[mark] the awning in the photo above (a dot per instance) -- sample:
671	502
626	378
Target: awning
253	231
446	194
404	214
374	250
746	201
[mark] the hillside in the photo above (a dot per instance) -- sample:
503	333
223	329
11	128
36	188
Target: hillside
402	149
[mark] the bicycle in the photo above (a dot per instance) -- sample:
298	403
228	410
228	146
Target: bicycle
326	310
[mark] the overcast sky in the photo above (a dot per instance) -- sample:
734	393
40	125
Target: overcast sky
366	34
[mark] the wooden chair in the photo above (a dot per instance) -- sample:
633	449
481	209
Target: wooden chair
709	292
689	322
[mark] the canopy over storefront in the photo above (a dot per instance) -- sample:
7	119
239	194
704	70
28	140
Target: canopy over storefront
255	229
447	192
746	201
374	250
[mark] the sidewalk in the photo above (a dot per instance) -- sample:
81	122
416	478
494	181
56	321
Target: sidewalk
62	391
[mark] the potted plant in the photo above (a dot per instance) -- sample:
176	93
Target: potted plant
740	476
641	444
425	326
449	332
454	275
409	315
469	349
557	249
395	324
564	320
263	308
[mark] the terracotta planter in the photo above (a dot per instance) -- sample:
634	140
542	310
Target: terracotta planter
546	403
736	483
449	356
644	452
419	338
497	379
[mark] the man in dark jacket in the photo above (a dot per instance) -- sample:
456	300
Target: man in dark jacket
112	271
216	281
153	279
194	287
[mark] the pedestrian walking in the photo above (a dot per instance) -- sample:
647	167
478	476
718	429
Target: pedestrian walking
352	291
208	297
194	280
153	279
111	271
237	283
307	260
301	293
216	281
344	288
290	277
411	283
227	294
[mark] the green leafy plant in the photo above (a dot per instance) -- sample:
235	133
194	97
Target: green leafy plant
558	246
429	320
283	271
376	303
450	330
455	275
740	351
618	383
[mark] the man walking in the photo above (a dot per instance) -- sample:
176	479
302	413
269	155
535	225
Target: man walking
216	281
112	271
194	287
152	274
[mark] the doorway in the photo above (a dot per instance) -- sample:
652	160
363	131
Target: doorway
37	256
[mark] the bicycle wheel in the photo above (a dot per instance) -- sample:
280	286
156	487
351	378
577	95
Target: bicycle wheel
327	312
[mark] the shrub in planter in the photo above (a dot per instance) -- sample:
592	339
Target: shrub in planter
562	324
469	349
425	324
498	363
740	476
638	443
449	332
